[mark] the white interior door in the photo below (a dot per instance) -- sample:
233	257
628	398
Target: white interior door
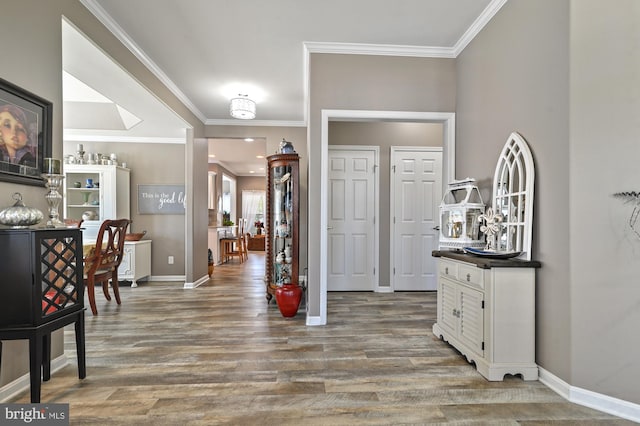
416	175
352	245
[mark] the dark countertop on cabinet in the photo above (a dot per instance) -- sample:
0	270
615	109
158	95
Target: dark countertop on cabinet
486	262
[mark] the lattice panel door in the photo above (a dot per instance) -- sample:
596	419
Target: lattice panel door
61	284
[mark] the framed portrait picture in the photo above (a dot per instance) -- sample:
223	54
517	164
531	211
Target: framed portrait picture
25	135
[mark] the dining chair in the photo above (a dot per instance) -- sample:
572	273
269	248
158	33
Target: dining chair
101	265
245	239
247	235
234	246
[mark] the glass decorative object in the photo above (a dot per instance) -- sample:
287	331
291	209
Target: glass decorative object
19	215
460	209
53	198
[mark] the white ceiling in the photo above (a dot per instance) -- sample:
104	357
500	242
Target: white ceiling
90	79
207	51
240	156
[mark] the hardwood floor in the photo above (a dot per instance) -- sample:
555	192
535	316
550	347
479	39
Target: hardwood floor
218	354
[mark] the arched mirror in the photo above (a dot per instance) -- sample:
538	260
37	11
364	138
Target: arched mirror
513	196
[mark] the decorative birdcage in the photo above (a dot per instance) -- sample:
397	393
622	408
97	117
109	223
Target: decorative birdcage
459	211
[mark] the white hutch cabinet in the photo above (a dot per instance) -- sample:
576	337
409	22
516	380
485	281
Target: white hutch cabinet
109	199
486	310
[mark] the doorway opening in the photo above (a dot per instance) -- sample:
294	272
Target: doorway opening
228	200
448	144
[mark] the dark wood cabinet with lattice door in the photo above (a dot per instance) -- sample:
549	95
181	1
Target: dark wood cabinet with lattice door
43	290
282	221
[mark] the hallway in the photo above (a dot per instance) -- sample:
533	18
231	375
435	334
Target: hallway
218	354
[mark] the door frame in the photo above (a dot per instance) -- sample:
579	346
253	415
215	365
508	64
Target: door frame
392	199
376	205
448	164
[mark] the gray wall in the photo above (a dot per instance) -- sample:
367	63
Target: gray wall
33	28
215	216
358	82
514	77
151	163
604	153
565	75
385	135
197	184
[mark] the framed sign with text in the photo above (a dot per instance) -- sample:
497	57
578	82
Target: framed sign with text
161	199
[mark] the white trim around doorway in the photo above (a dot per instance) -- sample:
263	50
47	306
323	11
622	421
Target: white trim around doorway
446	118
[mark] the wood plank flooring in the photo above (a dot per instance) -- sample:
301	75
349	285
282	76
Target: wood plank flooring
218	354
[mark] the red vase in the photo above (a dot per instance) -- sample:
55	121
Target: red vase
288	298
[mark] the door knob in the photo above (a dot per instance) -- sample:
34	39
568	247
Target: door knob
436	228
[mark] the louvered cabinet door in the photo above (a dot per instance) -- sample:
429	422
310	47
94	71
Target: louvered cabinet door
448	306
471	319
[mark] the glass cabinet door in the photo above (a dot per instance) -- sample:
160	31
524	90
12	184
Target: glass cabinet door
282	222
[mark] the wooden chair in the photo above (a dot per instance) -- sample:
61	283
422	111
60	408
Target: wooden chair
247	235
101	265
245	239
235	246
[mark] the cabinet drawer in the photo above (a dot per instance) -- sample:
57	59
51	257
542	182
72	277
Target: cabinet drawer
448	269
470	275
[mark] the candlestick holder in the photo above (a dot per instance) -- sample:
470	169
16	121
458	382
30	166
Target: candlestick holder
80	156
53	198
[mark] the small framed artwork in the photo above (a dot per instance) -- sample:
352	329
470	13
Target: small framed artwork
25	135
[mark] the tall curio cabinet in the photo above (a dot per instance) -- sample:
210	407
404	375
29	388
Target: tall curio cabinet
282	221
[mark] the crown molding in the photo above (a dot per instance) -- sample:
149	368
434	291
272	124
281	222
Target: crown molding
124	38
236	122
67	137
379	49
483	19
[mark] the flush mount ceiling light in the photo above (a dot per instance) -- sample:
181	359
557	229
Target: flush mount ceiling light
243	108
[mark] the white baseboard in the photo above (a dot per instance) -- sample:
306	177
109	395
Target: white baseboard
384	289
23	383
197	283
312	320
606	404
167	278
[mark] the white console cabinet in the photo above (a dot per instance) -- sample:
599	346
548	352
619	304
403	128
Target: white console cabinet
486	310
136	262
